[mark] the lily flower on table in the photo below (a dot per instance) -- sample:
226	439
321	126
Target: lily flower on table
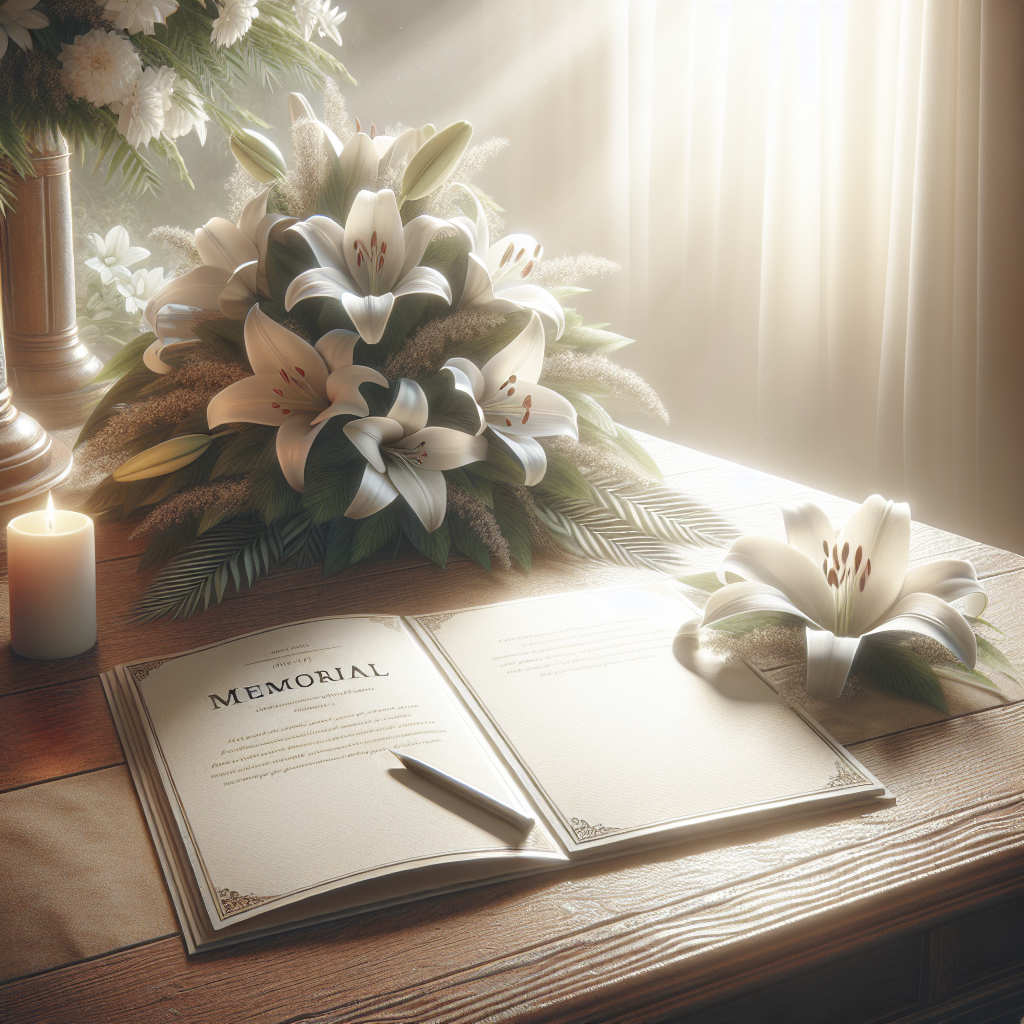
297	387
369	262
511	401
496	273
848	586
233	273
406	457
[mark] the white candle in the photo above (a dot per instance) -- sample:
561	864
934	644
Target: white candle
51	571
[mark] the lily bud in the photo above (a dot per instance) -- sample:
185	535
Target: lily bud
435	160
259	156
299	107
163	458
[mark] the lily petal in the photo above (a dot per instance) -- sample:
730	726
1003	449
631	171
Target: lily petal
252	213
375	492
774	563
239	294
808	530
522	358
531	454
425	491
369	433
418	233
932	617
277	352
199	288
335	348
369	313
327	240
222	244
151	358
950	579
440	448
532	410
251	400
467	376
374	217
829	659
478	291
741	598
882	529
532	296
425	281
343	391
318	283
359	160
409	408
294	439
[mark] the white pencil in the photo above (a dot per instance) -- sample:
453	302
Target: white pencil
468	792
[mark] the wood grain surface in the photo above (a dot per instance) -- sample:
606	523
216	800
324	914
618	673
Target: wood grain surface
645	937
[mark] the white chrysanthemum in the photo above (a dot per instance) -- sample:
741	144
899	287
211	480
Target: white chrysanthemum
140	288
181	118
140	15
141	117
16	18
319	15
101	67
236	17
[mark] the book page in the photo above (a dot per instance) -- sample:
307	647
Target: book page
273	751
621	731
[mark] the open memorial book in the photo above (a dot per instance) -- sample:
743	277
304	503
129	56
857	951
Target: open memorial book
263	769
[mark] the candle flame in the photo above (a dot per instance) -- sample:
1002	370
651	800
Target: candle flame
50	517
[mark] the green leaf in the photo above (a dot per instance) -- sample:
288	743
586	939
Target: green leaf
241	453
435	160
501	465
469	481
514	524
168	542
449	407
625	440
887	664
465	539
197	578
338	549
568	292
224	339
434	546
375	532
334	471
563	480
959	674
740	625
125	359
992	658
708	582
450	256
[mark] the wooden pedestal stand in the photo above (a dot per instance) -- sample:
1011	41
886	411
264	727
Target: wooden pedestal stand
49	369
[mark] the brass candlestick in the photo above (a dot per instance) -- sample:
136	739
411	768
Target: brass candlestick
50	370
30	460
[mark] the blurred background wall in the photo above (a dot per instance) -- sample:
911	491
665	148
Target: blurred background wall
817	208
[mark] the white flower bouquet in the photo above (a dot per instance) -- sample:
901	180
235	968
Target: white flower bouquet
351	363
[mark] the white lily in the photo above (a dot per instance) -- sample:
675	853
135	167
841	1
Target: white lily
511	401
848	586
495	276
233	274
297	387
140	288
407	457
369	262
114	254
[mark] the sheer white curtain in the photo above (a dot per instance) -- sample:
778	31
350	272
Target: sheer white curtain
818	207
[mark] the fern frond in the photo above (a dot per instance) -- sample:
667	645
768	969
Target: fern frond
662	512
198	578
599	534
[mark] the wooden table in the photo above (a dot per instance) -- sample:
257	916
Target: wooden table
910	913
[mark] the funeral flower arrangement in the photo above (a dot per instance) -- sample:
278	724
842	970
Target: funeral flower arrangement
122	75
352	361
